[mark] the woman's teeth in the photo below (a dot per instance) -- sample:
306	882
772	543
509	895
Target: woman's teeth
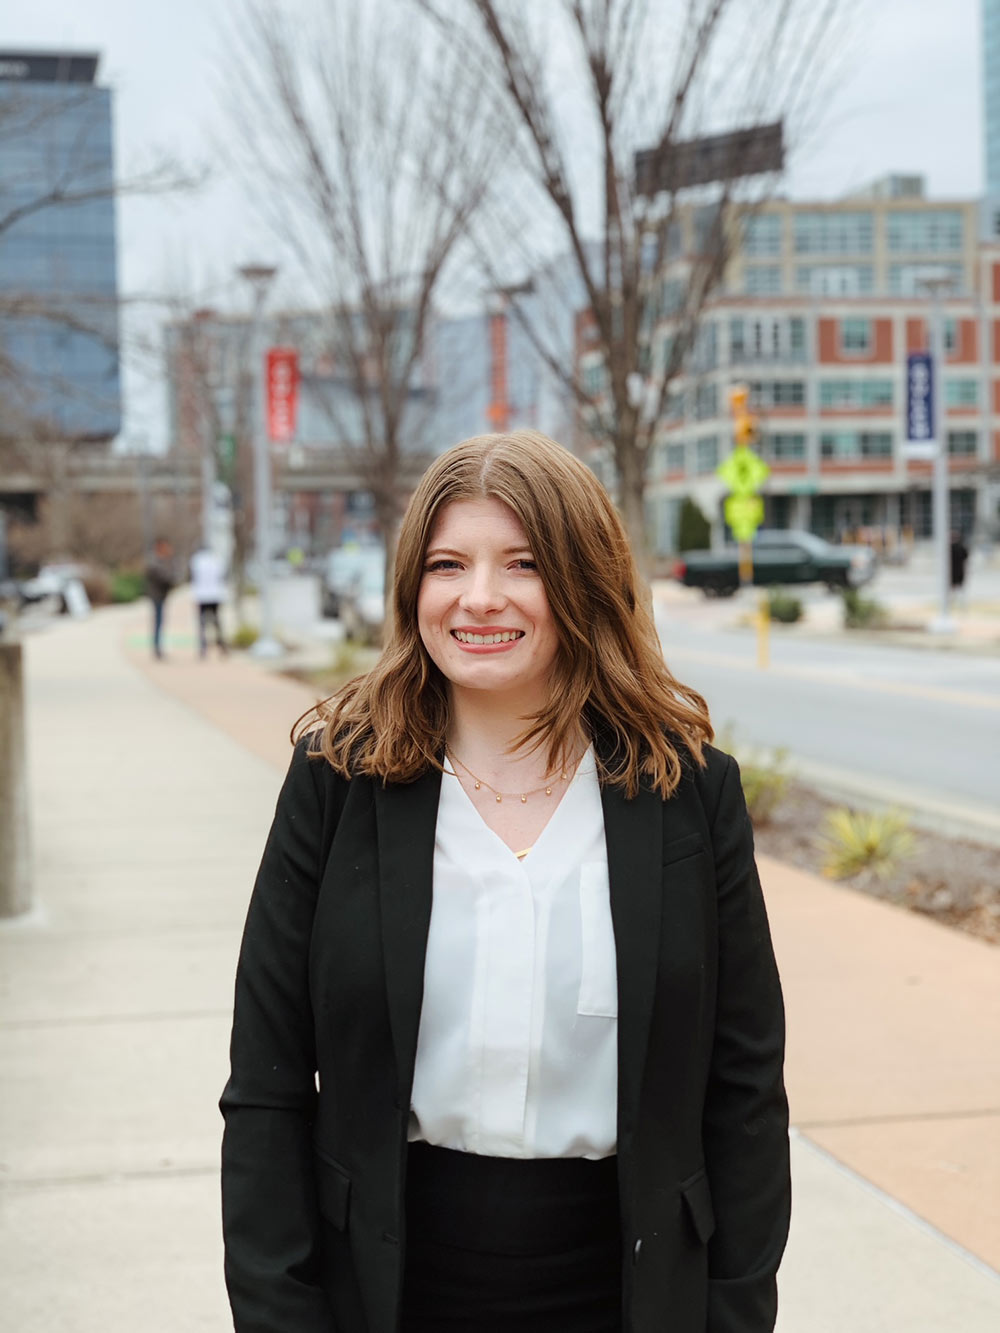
505	636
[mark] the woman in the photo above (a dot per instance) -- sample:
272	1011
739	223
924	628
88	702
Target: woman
508	1035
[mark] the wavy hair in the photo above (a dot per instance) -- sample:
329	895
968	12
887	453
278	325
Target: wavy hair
609	678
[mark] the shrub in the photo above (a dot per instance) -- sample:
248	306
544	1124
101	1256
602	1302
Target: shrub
783	607
694	532
127	585
855	840
862	612
244	636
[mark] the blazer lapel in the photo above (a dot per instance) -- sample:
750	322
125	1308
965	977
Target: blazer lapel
633	832
406	815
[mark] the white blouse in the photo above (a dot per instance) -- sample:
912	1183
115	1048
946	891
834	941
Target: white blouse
517	1049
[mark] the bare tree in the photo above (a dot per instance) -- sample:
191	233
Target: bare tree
365	137
586	84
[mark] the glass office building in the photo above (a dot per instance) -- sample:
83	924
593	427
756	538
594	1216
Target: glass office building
991	96
59	366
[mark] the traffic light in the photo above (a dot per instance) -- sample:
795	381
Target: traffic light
744	421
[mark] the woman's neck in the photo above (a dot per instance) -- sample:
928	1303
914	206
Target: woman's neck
483	729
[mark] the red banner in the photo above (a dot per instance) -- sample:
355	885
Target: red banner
282	393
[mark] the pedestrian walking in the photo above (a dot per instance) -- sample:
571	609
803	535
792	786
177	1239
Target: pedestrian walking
959	557
508	1034
160	579
208	591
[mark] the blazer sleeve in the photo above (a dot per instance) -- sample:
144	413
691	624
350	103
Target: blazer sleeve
746	1111
270	1216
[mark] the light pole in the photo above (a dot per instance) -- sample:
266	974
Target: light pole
260	277
937	285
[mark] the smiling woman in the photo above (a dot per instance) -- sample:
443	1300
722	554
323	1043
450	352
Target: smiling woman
507	1009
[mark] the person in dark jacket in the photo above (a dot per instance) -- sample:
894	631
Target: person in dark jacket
508	1033
959	555
160	579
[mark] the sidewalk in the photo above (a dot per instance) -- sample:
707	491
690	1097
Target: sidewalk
152	789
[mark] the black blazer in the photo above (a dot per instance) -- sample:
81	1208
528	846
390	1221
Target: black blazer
328	995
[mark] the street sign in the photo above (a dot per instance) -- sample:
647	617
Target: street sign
743	471
919	441
744	514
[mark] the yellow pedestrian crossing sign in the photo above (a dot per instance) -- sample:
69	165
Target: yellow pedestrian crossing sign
744	514
744	472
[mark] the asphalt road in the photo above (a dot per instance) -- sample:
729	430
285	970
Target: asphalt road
913	727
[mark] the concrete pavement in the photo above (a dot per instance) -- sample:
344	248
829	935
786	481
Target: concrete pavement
152	788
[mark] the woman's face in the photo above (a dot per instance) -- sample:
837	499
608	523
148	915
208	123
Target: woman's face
482	611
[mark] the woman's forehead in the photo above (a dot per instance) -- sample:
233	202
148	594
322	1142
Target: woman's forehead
475	520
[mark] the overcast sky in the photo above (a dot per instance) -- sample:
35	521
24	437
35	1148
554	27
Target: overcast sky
909	99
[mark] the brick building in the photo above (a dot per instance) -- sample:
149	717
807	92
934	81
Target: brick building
820	305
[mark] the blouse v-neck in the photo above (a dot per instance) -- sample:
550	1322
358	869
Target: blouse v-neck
583	770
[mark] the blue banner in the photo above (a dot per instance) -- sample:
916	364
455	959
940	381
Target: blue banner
919	396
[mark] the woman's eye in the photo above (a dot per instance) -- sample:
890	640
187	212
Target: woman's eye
437	566
526	564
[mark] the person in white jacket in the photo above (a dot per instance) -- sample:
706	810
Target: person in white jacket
208	588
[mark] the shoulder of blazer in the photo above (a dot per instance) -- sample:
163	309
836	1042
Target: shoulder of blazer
708	780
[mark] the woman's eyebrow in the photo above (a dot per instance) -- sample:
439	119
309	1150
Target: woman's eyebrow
451	550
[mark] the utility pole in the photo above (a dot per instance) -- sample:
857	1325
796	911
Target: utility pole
260	277
936	286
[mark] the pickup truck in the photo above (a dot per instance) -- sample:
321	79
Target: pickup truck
779	557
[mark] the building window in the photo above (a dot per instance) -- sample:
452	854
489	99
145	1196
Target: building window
762	235
961	393
766	339
855	395
737	346
963	443
930	231
855	444
706	454
949	327
704	353
834	233
762	280
797	339
706	402
783	448
908	279
676	458
778	393
855	336
593	379
835	279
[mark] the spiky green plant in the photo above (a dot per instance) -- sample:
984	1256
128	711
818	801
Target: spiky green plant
855	840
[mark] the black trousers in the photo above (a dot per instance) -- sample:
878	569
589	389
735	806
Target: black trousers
498	1245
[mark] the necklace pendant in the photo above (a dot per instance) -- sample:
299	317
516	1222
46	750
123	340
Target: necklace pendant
499	798
478	785
524	799
548	791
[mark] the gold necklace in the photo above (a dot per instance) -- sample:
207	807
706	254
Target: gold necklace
481	782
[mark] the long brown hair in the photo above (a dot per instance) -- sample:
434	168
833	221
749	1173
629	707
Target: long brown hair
609	676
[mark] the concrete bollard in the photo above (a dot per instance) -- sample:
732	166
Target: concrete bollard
15	856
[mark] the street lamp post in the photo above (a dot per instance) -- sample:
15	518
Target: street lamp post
936	286
260	277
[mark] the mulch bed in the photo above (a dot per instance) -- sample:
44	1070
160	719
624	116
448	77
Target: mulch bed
955	881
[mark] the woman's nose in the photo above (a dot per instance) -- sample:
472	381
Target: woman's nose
482	592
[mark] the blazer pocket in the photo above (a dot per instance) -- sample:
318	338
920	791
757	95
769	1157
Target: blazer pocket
333	1189
689	845
598	995
698	1203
